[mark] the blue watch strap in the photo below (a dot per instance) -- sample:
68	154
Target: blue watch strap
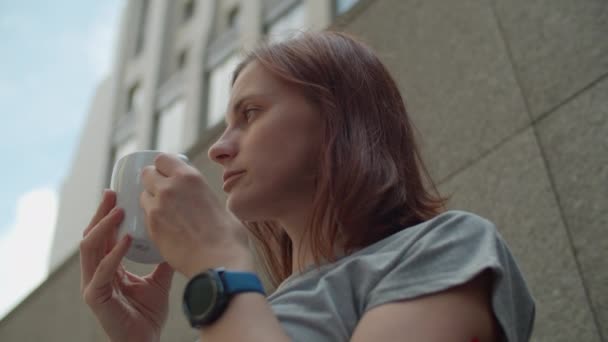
236	282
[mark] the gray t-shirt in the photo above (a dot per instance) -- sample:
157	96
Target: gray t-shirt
325	304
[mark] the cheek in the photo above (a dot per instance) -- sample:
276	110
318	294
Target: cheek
286	161
286	184
281	172
280	152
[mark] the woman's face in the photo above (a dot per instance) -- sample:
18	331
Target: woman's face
272	138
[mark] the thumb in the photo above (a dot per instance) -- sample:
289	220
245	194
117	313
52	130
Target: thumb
163	275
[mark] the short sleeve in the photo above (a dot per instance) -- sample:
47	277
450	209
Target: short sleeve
450	252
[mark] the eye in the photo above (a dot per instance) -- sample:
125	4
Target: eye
249	113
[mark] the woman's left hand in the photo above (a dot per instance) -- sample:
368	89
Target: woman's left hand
190	226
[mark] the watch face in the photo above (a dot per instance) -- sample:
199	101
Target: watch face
202	295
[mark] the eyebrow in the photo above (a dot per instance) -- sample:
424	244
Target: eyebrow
239	103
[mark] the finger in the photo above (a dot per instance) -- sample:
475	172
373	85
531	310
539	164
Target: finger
151	179
167	164
147	202
163	276
108	201
93	246
105	272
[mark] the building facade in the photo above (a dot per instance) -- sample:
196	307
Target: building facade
169	86
510	98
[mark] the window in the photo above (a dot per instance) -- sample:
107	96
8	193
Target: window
182	59
141	27
135	99
169	127
219	89
343	6
289	25
188	10
120	150
226	20
233	17
270	5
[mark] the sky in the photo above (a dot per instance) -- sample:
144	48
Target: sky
52	56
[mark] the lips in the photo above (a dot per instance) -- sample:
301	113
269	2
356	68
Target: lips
229	174
230	178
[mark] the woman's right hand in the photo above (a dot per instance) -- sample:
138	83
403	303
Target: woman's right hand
128	307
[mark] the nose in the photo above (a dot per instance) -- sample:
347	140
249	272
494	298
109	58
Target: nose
223	150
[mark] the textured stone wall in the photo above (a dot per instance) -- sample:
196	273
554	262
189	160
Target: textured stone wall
511	101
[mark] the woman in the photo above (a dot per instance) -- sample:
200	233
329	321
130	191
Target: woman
321	168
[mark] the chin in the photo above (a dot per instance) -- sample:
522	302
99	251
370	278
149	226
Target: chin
244	209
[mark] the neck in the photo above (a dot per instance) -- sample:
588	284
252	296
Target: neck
295	225
301	258
302	251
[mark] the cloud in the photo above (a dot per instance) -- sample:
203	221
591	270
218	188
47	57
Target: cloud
58	60
24	250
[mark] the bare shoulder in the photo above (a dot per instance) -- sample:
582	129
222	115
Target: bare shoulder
461	313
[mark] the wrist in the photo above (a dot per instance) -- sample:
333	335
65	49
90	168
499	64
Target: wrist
208	294
235	260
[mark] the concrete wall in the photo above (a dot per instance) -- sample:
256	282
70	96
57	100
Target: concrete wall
511	101
81	189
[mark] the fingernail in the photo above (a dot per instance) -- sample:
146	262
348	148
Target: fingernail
127	239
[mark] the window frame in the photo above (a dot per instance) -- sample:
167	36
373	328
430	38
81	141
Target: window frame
188	10
272	15
208	74
160	113
140	30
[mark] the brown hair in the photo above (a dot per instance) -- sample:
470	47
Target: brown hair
371	181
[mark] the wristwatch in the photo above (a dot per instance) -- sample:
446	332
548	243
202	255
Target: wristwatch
207	294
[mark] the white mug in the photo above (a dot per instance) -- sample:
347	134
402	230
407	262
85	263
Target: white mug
126	182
